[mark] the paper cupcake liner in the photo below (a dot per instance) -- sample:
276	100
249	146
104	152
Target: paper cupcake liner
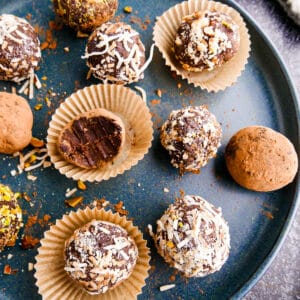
164	34
117	99
55	284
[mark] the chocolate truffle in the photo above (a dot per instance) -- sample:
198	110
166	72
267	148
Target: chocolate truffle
10	217
115	54
93	139
261	159
85	15
99	256
16	122
19	48
206	40
192	136
193	237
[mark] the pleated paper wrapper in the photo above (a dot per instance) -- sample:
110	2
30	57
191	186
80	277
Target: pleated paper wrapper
218	79
119	100
53	282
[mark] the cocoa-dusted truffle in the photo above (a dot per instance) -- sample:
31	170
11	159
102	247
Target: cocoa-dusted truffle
193	237
99	256
85	15
19	48
115	54
10	217
16	120
261	159
93	139
206	40
192	136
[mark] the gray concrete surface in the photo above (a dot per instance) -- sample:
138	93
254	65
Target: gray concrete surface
282	279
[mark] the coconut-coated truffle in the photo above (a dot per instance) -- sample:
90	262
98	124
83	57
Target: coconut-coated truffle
99	256
192	136
116	54
193	237
20	51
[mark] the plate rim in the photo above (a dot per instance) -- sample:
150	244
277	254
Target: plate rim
263	267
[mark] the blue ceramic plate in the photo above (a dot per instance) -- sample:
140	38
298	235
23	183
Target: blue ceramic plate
258	222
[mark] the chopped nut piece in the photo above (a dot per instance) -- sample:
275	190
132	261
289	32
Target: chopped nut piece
67	49
81	185
29	242
166	190
158	92
81	34
37	143
30	266
31	177
7	270
179	85
128	9
38	106
73	202
26	197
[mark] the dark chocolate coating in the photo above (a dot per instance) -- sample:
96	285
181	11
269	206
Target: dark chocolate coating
206	40
19	48
90	142
85	15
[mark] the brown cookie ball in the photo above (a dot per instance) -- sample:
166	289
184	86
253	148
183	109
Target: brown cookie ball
206	40
10	217
193	237
99	256
115	53
85	15
261	159
16	122
192	136
20	50
93	139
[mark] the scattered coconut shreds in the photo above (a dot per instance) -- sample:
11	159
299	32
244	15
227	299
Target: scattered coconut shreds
143	93
13	172
23	87
13	90
37	82
166	190
89	74
9	256
158	93
69	192
31	87
150	229
166	287
31	177
31	157
30	266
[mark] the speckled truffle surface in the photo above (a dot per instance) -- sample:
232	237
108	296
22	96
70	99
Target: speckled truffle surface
206	40
193	237
99	256
192	136
261	159
115	53
16	120
93	139
85	15
10	217
19	48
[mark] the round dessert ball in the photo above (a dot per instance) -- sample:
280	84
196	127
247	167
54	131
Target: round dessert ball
206	40
10	217
261	159
192	136
20	51
93	139
16	122
99	256
85	15
193	237
115	53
